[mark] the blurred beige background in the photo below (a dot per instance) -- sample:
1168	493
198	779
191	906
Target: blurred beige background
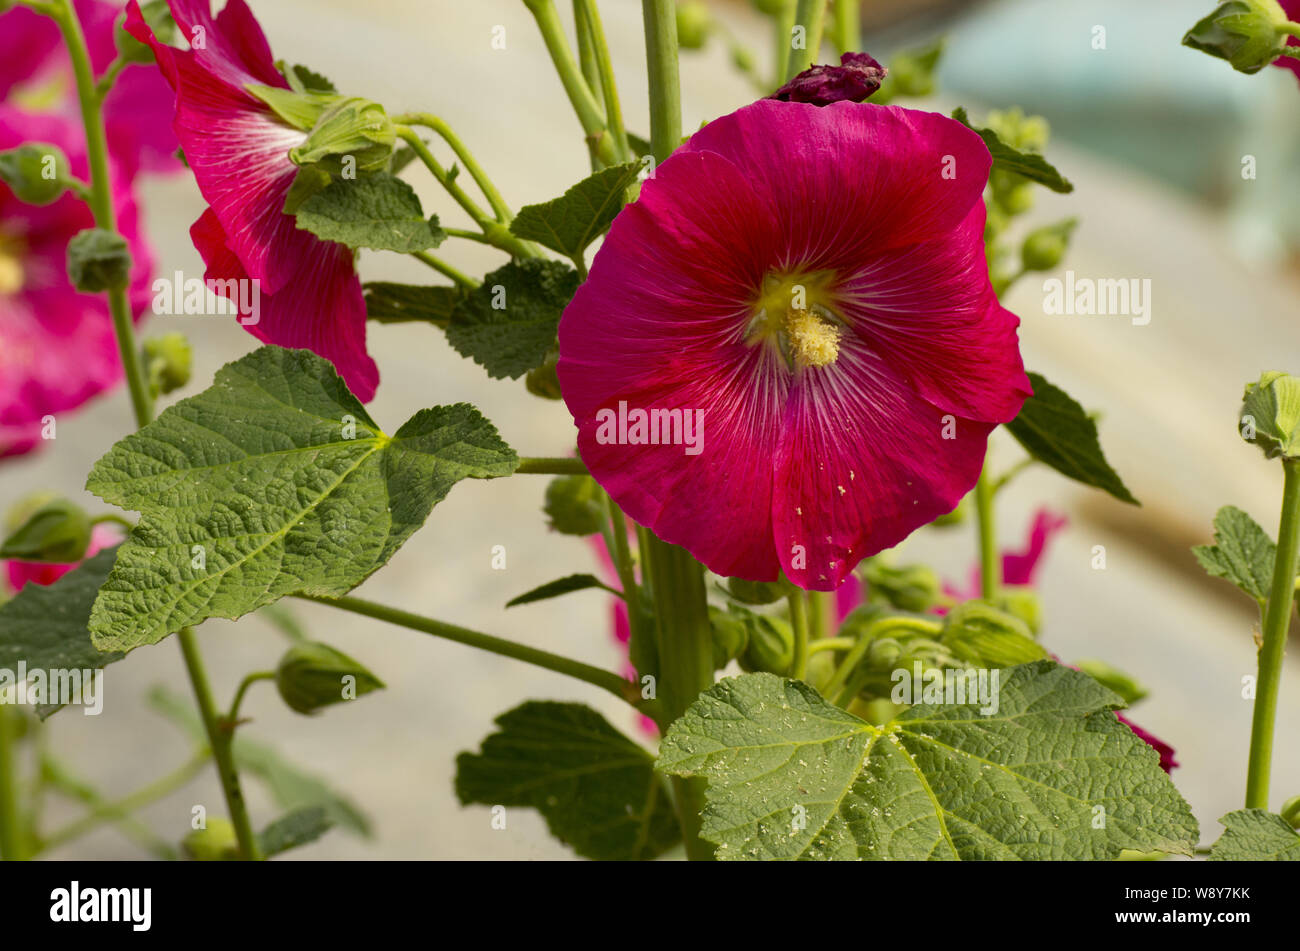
1168	391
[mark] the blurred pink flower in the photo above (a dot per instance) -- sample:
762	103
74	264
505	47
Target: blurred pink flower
1018	567
1292	9
620	626
237	147
810	285
35	72
20	572
57	348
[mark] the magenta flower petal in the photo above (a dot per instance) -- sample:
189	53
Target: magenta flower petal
238	150
823	436
20	572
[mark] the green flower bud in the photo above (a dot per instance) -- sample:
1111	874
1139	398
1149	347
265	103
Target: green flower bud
543	381
1291	812
730	636
1270	415
742	59
1022	601
909	587
574	505
159	18
980	634
694	23
351	136
57	532
771	644
37	172
215	843
312	675
98	261
754	592
168	359
1044	247
1027	133
1246	33
1012	194
1114	679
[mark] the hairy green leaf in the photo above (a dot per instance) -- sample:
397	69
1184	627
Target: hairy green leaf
1242	553
507	324
298	828
553	589
1050	774
1056	431
1256	835
376	211
596	788
1030	165
274	481
570	223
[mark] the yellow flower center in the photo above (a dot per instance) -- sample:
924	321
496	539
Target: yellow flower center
814	342
796	312
11	272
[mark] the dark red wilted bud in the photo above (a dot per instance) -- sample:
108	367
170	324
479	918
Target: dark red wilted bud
856	78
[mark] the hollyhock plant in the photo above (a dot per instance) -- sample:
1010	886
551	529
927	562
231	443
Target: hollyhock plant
807	286
1292	9
237	146
35	71
57	347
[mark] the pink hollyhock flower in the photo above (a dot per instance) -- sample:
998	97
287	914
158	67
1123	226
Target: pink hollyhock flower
57	348
41	572
34	66
788	355
1292	10
310	296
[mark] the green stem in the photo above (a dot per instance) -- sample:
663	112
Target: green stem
590	19
990	563
811	15
665	83
529	465
137	382
12	833
123	808
604	679
445	269
831	644
485	184
221	741
848	25
799	621
685	663
1277	622
101	200
821	614
1290	28
232	718
575	86
105	83
496	233
875	630
783	24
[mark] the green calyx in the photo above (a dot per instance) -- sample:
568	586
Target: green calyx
98	261
1248	34
1270	415
312	676
57	532
346	135
168	361
36	172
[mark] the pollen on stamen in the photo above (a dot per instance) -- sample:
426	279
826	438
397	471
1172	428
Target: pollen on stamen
813	341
